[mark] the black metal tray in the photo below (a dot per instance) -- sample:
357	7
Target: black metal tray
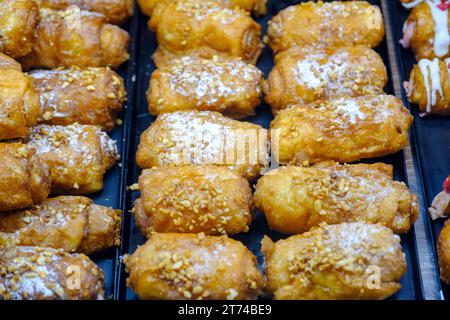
431	134
419	282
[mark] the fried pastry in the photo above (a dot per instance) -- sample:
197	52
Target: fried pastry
443	251
332	262
440	207
188	266
225	85
193	199
342	130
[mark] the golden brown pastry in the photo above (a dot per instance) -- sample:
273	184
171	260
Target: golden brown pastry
342	130
204	28
295	199
299	78
79	95
116	11
344	261
35	273
19	102
189	266
24	177
204	137
326	25
443	251
78	156
193	199
426	31
440	207
258	7
18	20
225	85
429	86
72	223
76	38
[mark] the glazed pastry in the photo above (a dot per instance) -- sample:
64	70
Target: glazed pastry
79	95
19	102
24	177
342	130
78	156
347	261
225	85
18	20
176	266
258	7
204	28
440	207
299	78
117	11
71	223
295	199
193	199
429	86
326	25
426	31
76	38
443	251
204	137
35	273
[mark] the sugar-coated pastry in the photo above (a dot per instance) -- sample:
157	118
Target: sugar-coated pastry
176	266
78	156
193	199
429	86
79	95
37	273
72	223
332	262
440	207
295	199
24	177
18	20
75	37
426	31
226	85
342	130
204	137
299	78
19	102
443	251
204	28
326	25
117	11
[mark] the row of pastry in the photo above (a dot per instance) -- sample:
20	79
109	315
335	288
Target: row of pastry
53	141
326	90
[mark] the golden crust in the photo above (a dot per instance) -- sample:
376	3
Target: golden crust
343	130
335	262
24	177
258	7
19	102
18	20
78	155
295	199
204	137
193	199
35	273
116	11
187	266
225	85
443	251
197	27
71	223
320	25
299	78
86	96
73	37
